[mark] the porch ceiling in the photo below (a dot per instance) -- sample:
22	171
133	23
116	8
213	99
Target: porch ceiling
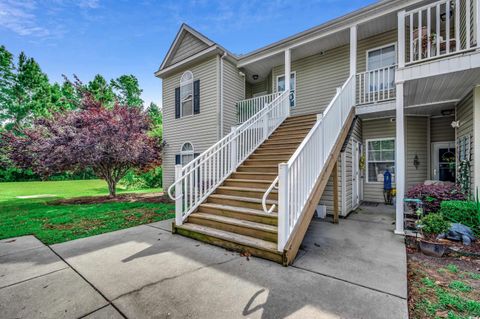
441	89
372	27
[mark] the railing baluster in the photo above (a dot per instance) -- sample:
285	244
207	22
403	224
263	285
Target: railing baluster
438	29
412	45
429	18
420	35
457	25
469	25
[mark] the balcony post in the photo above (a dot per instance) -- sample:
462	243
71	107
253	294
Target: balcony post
399	159
477	24
353	50
287	69
401	39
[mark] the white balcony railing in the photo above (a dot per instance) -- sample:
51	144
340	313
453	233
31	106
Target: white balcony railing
297	178
376	85
438	29
198	179
247	108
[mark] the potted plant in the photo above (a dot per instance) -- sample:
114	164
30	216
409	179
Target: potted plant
431	226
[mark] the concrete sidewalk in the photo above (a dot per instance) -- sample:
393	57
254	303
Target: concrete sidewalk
146	272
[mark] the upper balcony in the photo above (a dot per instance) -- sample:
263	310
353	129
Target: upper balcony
437	30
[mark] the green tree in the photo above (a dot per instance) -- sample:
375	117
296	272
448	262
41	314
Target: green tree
31	93
101	91
156	116
7	81
127	90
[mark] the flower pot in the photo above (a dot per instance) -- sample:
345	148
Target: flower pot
432	249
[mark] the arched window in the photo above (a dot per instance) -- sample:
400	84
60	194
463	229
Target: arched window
186	94
186	153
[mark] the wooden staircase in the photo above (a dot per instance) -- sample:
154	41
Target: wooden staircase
232	217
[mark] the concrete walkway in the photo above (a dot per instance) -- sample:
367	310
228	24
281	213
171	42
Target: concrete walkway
352	270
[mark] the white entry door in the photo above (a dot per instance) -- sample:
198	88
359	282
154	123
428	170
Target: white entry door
356	179
293	86
443	161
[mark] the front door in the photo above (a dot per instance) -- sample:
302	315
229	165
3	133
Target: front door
356	154
293	83
443	161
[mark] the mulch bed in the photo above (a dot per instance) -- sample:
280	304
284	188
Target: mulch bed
122	198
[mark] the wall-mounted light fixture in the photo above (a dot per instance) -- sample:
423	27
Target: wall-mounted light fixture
455	124
448	112
255	77
416	161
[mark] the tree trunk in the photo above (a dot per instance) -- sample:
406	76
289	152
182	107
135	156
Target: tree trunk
112	187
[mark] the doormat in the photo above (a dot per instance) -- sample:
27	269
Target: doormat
370	204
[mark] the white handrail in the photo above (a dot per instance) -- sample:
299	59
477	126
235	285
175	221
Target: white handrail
298	177
441	28
199	178
247	108
376	85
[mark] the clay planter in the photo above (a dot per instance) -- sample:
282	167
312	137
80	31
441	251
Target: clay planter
432	248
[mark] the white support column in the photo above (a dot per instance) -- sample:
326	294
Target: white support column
353	50
477	22
400	159
287	69
476	140
178	196
401	39
283	206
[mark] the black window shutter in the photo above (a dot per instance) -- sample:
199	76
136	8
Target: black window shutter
177	103
196	97
177	159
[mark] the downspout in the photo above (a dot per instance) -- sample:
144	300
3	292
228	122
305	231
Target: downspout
221	93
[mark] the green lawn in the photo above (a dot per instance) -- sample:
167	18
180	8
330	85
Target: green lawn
53	223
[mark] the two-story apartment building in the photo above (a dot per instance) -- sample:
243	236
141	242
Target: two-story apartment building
407	71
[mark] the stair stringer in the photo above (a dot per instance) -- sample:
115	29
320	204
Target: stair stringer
298	233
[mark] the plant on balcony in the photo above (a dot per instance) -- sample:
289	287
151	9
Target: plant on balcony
433	195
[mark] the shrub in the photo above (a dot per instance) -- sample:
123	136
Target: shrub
137	180
433	195
463	212
434	224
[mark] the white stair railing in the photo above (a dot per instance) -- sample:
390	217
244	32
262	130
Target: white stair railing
198	179
297	178
247	108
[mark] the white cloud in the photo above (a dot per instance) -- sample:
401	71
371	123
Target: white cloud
22	17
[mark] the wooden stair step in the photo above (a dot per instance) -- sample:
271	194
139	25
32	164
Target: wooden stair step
265	161
246	192
270	155
237	226
258	168
257	247
239	201
286	135
244	213
286	143
257	183
254	175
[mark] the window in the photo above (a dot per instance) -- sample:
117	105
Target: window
379	60
281	86
186	154
380	157
186	94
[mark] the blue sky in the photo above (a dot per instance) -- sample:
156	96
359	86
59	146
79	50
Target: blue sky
115	37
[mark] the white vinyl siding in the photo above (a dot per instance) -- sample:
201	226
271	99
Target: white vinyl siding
189	45
233	91
376	129
465	117
441	129
202	129
317	79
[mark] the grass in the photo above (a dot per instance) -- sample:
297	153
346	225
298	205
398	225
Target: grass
442	292
53	223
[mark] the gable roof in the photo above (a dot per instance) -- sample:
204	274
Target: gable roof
189	44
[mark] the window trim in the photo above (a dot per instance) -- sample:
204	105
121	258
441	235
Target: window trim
184	83
294	84
367	161
182	152
394	44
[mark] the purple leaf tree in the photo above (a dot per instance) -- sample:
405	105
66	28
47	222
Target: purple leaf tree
109	140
